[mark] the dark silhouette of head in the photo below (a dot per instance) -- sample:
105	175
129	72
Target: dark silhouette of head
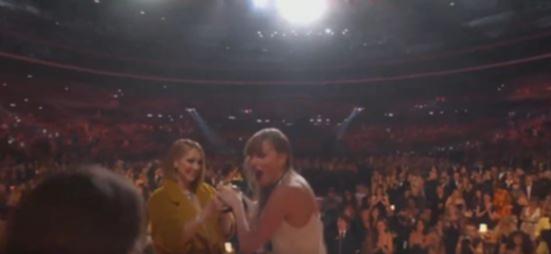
89	210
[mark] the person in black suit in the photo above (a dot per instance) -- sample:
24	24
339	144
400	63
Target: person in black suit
430	188
341	239
528	187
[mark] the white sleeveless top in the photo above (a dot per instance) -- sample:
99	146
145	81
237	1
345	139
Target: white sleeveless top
307	239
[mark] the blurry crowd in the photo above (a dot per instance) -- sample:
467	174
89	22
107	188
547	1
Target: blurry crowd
457	209
381	204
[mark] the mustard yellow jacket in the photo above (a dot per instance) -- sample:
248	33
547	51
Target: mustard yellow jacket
169	210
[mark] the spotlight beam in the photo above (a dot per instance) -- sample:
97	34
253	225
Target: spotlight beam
346	123
212	137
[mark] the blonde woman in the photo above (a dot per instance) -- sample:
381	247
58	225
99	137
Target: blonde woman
184	213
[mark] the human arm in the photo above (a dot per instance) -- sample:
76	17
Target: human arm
174	229
271	217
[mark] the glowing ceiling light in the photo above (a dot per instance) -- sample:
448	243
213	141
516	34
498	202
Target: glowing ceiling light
260	3
301	12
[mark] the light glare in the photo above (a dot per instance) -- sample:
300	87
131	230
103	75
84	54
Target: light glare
302	11
260	3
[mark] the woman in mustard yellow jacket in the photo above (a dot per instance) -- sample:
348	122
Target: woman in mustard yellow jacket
184	213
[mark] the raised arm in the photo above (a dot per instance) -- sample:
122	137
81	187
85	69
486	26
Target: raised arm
271	217
169	235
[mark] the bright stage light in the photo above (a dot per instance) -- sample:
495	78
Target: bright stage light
260	3
301	11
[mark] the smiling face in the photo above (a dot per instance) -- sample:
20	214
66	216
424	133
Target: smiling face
185	164
267	165
189	166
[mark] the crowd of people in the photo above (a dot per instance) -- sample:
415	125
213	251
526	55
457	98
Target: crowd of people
32	126
443	210
379	204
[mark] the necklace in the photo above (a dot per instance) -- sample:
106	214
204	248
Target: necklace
193	199
188	194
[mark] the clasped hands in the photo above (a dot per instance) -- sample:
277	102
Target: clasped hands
229	195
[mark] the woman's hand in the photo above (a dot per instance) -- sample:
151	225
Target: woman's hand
212	208
229	196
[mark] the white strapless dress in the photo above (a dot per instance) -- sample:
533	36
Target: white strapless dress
304	240
307	239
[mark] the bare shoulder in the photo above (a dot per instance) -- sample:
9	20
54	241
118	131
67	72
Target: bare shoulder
296	188
298	198
295	183
286	191
299	182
